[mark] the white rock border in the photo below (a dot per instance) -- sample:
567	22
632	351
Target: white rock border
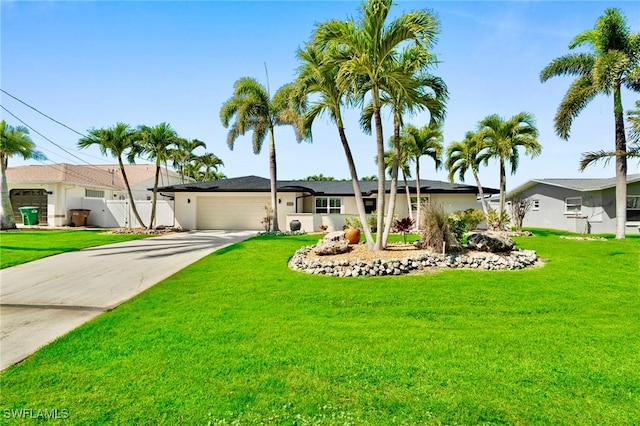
516	259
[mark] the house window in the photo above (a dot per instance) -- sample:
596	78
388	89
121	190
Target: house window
93	193
370	205
414	202
573	205
328	205
633	208
535	204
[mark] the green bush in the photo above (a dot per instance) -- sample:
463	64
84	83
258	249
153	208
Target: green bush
498	221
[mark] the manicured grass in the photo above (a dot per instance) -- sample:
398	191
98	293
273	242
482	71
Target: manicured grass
238	338
18	247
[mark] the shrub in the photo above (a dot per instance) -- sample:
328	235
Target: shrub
352	222
403	225
497	221
472	218
458	225
436	231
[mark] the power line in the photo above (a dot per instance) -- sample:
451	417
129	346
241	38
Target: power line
42	113
47	139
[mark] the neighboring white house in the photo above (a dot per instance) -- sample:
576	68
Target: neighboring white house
239	203
579	205
56	189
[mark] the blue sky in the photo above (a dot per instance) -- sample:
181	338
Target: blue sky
92	64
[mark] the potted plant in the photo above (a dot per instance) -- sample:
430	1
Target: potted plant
352	227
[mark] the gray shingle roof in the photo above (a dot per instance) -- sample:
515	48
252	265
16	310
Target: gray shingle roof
587	184
260	184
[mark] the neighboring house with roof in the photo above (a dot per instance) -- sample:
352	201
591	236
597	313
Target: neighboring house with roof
58	188
239	203
579	205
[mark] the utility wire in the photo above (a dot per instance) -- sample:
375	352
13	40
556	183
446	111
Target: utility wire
42	113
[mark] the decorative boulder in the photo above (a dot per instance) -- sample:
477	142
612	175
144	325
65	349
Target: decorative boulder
332	243
490	242
334	236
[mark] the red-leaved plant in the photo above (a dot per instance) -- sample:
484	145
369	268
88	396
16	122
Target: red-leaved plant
404	225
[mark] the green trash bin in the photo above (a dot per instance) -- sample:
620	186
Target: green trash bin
29	215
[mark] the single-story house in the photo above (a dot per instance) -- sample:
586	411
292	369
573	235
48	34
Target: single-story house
239	203
579	205
56	189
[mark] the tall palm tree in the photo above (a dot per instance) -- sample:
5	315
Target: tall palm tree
317	78
467	155
427	142
363	50
184	153
210	162
253	109
13	141
407	88
613	62
114	141
502	139
155	143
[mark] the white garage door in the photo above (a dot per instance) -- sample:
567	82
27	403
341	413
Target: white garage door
231	212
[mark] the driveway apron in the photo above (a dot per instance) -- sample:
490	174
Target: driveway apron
43	300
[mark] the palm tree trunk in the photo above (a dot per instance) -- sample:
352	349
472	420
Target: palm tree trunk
274	180
356	186
155	195
131	200
407	191
621	167
7	220
503	186
394	182
418	200
381	176
481	193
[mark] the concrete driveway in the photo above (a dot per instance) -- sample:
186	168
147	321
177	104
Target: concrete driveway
42	300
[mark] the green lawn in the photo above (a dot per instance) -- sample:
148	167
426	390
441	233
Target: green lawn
18	247
238	338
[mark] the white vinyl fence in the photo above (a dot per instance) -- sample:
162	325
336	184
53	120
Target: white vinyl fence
118	213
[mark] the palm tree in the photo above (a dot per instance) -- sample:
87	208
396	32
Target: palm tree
13	141
502	138
363	51
156	143
210	162
427	142
407	88
467	155
254	110
613	62
183	154
404	165
317	77
114	141
633	150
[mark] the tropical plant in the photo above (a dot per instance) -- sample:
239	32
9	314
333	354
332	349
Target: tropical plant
498	220
13	141
352	222
404	226
465	155
407	88
633	149
317	78
319	178
156	144
364	50
436	230
502	139
424	142
613	61
210	162
183	154
115	141
253	109
472	218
